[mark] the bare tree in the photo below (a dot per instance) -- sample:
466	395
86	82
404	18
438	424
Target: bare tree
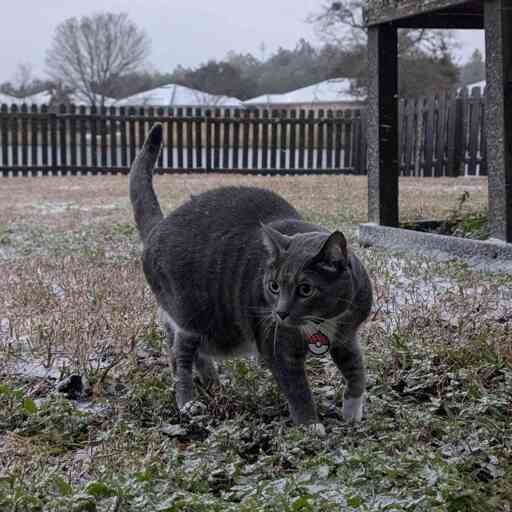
343	23
426	57
91	53
23	79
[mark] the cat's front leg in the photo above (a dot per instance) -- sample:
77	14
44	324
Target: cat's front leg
286	359
348	356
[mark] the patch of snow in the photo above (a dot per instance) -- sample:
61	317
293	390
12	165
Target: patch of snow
56	207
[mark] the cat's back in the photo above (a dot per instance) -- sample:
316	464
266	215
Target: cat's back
227	208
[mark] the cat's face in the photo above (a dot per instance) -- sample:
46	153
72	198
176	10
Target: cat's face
308	277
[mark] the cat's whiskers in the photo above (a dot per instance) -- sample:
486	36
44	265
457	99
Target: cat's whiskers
267	326
275	337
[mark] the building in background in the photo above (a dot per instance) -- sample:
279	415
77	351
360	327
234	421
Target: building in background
174	95
337	93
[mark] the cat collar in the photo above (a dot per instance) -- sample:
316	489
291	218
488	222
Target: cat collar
318	343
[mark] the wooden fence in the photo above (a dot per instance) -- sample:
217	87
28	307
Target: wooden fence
439	136
443	135
84	140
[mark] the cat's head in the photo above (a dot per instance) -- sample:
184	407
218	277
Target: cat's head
308	276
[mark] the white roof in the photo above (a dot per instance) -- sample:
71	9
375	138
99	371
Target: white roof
7	98
45	97
172	95
40	98
329	91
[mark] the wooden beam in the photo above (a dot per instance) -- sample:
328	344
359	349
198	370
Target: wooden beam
383	165
498	43
444	20
384	12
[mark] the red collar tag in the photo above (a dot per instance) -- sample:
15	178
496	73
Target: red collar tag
318	344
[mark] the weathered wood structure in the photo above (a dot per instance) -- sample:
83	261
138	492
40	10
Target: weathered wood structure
384	18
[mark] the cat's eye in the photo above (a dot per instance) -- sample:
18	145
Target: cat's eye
305	290
273	286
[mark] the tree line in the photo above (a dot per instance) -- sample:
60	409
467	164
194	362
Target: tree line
106	55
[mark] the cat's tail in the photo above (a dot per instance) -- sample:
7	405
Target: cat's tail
145	205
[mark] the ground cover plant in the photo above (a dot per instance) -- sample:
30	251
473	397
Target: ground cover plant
437	432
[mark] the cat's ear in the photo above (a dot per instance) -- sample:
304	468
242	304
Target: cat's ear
275	242
333	254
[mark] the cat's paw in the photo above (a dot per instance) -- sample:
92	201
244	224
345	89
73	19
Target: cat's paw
353	409
193	408
317	429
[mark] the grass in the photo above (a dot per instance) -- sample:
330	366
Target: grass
437	432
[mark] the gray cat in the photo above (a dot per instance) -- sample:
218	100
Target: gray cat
237	270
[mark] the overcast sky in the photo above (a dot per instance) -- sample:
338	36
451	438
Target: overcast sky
186	32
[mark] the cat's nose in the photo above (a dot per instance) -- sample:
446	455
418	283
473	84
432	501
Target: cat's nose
283	315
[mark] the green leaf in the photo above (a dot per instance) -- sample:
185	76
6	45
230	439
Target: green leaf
30	406
84	505
355	501
100	490
5	390
64	488
301	504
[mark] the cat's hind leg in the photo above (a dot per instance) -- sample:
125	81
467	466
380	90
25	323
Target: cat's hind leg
186	346
169	328
349	359
206	370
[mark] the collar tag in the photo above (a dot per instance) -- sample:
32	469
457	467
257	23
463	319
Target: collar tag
318	343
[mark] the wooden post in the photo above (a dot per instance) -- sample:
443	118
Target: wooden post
383	165
498	43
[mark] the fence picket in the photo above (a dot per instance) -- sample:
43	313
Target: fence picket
293	139
236	139
282	130
72	139
216	139
246	127
320	140
474	103
44	140
170	137
302	138
24	139
265	140
273	141
14	141
440	138
256	131
4	134
34	136
208	140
